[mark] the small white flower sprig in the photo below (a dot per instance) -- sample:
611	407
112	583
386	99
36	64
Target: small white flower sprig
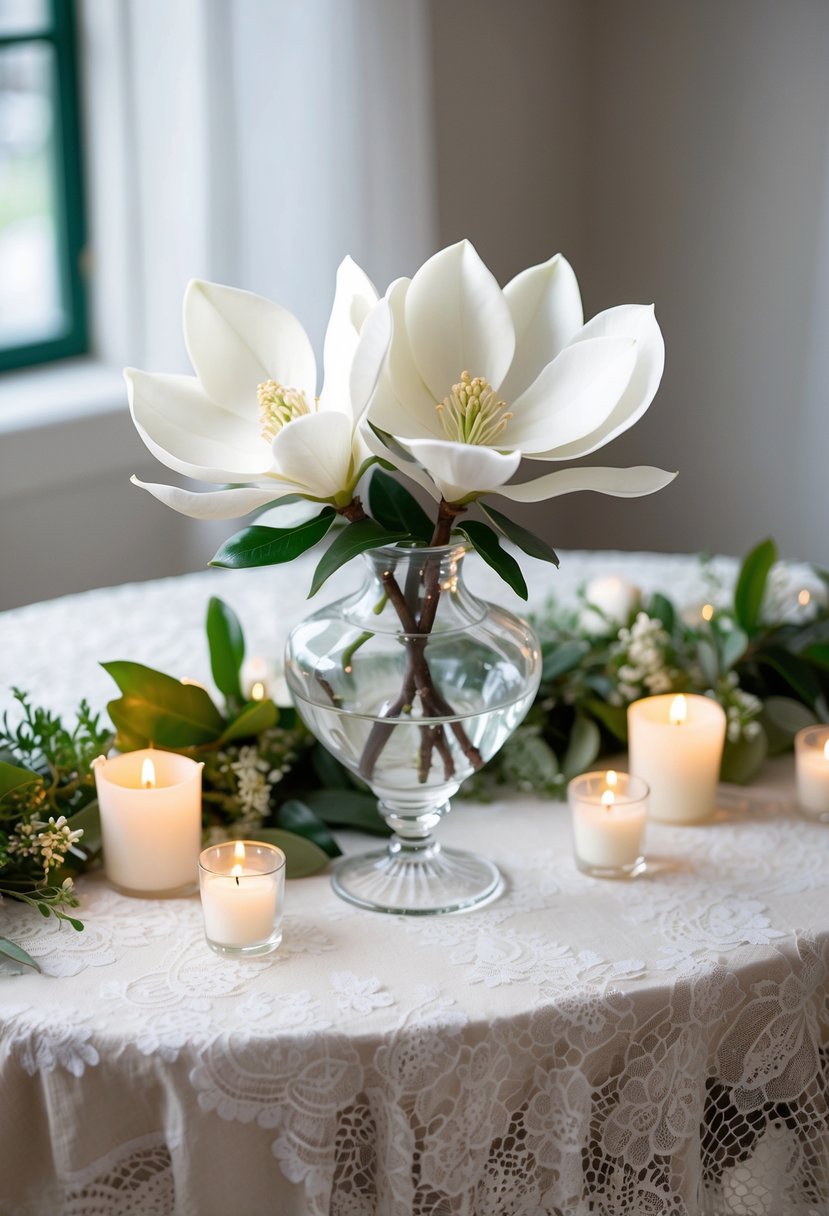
448	380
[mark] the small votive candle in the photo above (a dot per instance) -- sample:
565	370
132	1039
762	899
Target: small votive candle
150	808
609	811
242	892
676	745
811	748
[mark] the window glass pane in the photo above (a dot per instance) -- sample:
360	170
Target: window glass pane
23	17
31	307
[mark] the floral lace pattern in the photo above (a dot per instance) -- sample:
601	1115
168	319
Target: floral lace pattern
577	1048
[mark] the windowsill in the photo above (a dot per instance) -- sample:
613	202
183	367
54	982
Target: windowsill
56	393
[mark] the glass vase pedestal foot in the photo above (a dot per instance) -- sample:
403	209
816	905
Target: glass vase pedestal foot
417	880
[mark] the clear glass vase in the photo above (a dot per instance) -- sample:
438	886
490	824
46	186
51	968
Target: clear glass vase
413	684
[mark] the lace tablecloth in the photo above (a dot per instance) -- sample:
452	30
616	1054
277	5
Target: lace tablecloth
577	1047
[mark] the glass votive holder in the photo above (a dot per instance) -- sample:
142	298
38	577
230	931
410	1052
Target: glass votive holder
242	884
811	749
609	811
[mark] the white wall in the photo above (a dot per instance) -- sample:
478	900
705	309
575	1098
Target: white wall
677	153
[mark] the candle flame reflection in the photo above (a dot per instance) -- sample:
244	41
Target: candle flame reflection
257	691
608	798
238	858
148	775
679	710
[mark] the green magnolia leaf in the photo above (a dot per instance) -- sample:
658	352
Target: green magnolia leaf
259	546
742	759
559	658
12	777
254	718
88	821
709	660
781	719
582	747
348	809
185	708
296	816
137	719
356	538
485	542
16	954
661	609
227	648
732	647
613	717
302	857
531	544
395	508
751	585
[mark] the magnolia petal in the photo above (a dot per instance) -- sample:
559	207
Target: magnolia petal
636	321
216	504
458	320
189	433
409	468
402	404
314	451
236	340
461	469
572	396
545	303
621	483
354	298
369	356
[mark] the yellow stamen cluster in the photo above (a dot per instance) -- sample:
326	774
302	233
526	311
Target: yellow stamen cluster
472	412
278	406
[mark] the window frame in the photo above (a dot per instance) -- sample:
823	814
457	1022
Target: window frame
60	34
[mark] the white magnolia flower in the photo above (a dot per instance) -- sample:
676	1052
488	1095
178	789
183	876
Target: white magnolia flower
477	378
249	415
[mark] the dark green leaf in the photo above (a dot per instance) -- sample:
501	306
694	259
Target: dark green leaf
396	509
12	777
259	546
89	821
558	659
296	816
781	719
531	544
363	534
227	648
613	717
818	653
795	671
77	925
582	747
329	772
302	857
751	585
661	609
254	718
16	954
137	719
348	809
741	760
187	707
485	542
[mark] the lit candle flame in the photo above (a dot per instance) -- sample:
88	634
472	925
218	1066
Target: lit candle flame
679	710
804	597
608	798
707	612
611	780
257	691
148	775
238	858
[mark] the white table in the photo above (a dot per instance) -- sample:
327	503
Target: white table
576	1047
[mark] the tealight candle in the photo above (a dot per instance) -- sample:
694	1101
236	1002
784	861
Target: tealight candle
811	747
150	808
242	887
261	678
609	811
676	745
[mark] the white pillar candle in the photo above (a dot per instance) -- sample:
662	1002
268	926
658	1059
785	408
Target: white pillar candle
812	770
609	811
150	807
676	745
242	885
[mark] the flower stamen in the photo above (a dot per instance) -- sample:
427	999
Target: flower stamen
278	406
472	412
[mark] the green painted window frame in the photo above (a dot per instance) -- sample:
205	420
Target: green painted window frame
69	194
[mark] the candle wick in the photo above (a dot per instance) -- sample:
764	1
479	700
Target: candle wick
236	876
